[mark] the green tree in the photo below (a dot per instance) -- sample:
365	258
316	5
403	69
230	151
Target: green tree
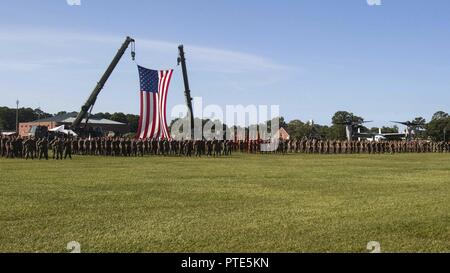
281	122
26	114
439	115
8	117
41	114
439	127
419	120
102	115
296	129
337	130
60	113
419	132
133	121
119	117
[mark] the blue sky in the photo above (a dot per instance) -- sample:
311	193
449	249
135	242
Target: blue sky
311	57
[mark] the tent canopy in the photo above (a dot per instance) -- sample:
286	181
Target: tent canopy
8	133
61	129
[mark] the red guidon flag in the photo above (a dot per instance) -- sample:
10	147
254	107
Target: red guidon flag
154	89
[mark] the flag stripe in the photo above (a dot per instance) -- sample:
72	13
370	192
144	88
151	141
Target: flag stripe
144	114
154	90
151	124
138	135
161	101
154	133
147	114
160	87
164	104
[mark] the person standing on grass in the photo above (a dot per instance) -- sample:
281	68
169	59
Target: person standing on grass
99	145
75	145
140	147
128	144
209	148
29	145
87	147
229	148
181	147
8	153
189	148
93	146
43	149
68	148
59	144
80	146
53	145
198	149
17	147
2	146
215	147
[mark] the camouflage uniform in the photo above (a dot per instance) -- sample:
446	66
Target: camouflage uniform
59	144
67	148
43	149
2	146
29	148
189	147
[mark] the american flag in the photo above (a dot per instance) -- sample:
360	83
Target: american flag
154	89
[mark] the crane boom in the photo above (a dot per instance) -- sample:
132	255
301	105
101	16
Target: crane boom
98	88
187	92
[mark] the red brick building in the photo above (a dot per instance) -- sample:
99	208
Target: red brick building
283	134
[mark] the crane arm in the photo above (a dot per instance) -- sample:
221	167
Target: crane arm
187	92
98	88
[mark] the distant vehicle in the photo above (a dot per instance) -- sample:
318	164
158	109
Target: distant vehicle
38	131
411	128
380	136
350	126
353	130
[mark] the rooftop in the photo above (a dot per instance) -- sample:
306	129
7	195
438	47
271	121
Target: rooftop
70	117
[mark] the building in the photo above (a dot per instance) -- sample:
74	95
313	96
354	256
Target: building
98	125
283	134
255	134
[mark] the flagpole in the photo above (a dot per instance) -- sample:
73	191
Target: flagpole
17	117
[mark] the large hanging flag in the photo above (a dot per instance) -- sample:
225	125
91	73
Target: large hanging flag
154	89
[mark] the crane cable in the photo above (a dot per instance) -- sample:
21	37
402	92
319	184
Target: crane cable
133	51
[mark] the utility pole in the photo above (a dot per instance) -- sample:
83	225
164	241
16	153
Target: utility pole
187	92
17	117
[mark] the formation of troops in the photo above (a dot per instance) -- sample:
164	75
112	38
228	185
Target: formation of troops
361	147
65	147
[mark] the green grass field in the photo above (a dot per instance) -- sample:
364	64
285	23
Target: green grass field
246	203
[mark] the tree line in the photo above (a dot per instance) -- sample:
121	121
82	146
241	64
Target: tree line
8	117
436	129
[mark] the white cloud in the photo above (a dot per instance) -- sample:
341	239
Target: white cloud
200	57
19	66
31	65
